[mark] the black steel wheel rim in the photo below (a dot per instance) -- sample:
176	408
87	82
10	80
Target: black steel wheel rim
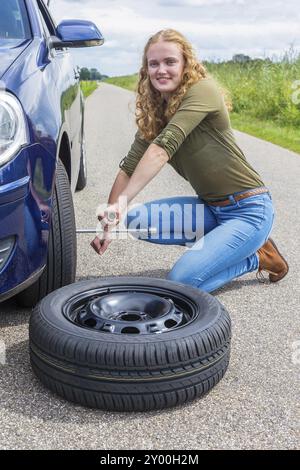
131	310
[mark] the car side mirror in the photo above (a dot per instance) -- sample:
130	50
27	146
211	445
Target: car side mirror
76	33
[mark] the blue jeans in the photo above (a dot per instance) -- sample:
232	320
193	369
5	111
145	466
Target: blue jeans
222	243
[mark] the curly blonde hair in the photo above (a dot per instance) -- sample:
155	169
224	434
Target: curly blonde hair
152	113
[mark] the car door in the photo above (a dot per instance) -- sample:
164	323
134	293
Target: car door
67	82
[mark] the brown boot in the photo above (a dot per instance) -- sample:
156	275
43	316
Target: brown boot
272	261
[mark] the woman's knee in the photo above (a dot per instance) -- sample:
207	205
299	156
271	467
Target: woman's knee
175	276
190	270
136	221
184	277
137	217
180	275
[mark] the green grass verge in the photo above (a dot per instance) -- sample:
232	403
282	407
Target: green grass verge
88	87
287	136
128	82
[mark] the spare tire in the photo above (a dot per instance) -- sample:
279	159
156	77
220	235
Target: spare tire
129	344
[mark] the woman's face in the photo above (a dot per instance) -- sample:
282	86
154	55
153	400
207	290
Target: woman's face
165	66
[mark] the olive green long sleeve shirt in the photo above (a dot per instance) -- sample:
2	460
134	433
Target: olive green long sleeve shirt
201	146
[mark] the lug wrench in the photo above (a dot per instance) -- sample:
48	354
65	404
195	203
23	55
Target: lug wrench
150	230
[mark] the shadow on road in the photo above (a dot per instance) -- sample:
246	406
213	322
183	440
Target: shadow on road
162	274
11	314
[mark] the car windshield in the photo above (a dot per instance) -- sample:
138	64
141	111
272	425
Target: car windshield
14	22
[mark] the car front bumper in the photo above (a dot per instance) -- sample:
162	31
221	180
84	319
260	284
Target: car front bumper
23	230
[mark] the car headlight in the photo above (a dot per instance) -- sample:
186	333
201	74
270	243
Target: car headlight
12	127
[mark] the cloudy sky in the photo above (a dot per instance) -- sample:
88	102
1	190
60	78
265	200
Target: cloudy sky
217	28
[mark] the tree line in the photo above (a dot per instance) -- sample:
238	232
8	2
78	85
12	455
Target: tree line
91	74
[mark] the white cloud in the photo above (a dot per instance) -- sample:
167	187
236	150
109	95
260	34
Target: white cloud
217	28
199	3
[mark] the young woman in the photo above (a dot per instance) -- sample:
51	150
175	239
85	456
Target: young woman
182	120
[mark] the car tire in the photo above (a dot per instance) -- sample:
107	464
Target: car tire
87	350
60	269
82	176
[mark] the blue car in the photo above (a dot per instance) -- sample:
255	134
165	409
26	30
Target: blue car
42	157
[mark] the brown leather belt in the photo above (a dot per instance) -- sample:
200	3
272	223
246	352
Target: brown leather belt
238	197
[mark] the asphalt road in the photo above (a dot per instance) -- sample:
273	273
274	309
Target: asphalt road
255	406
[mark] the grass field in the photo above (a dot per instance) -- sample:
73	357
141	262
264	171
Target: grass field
127	81
88	87
285	136
265	97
